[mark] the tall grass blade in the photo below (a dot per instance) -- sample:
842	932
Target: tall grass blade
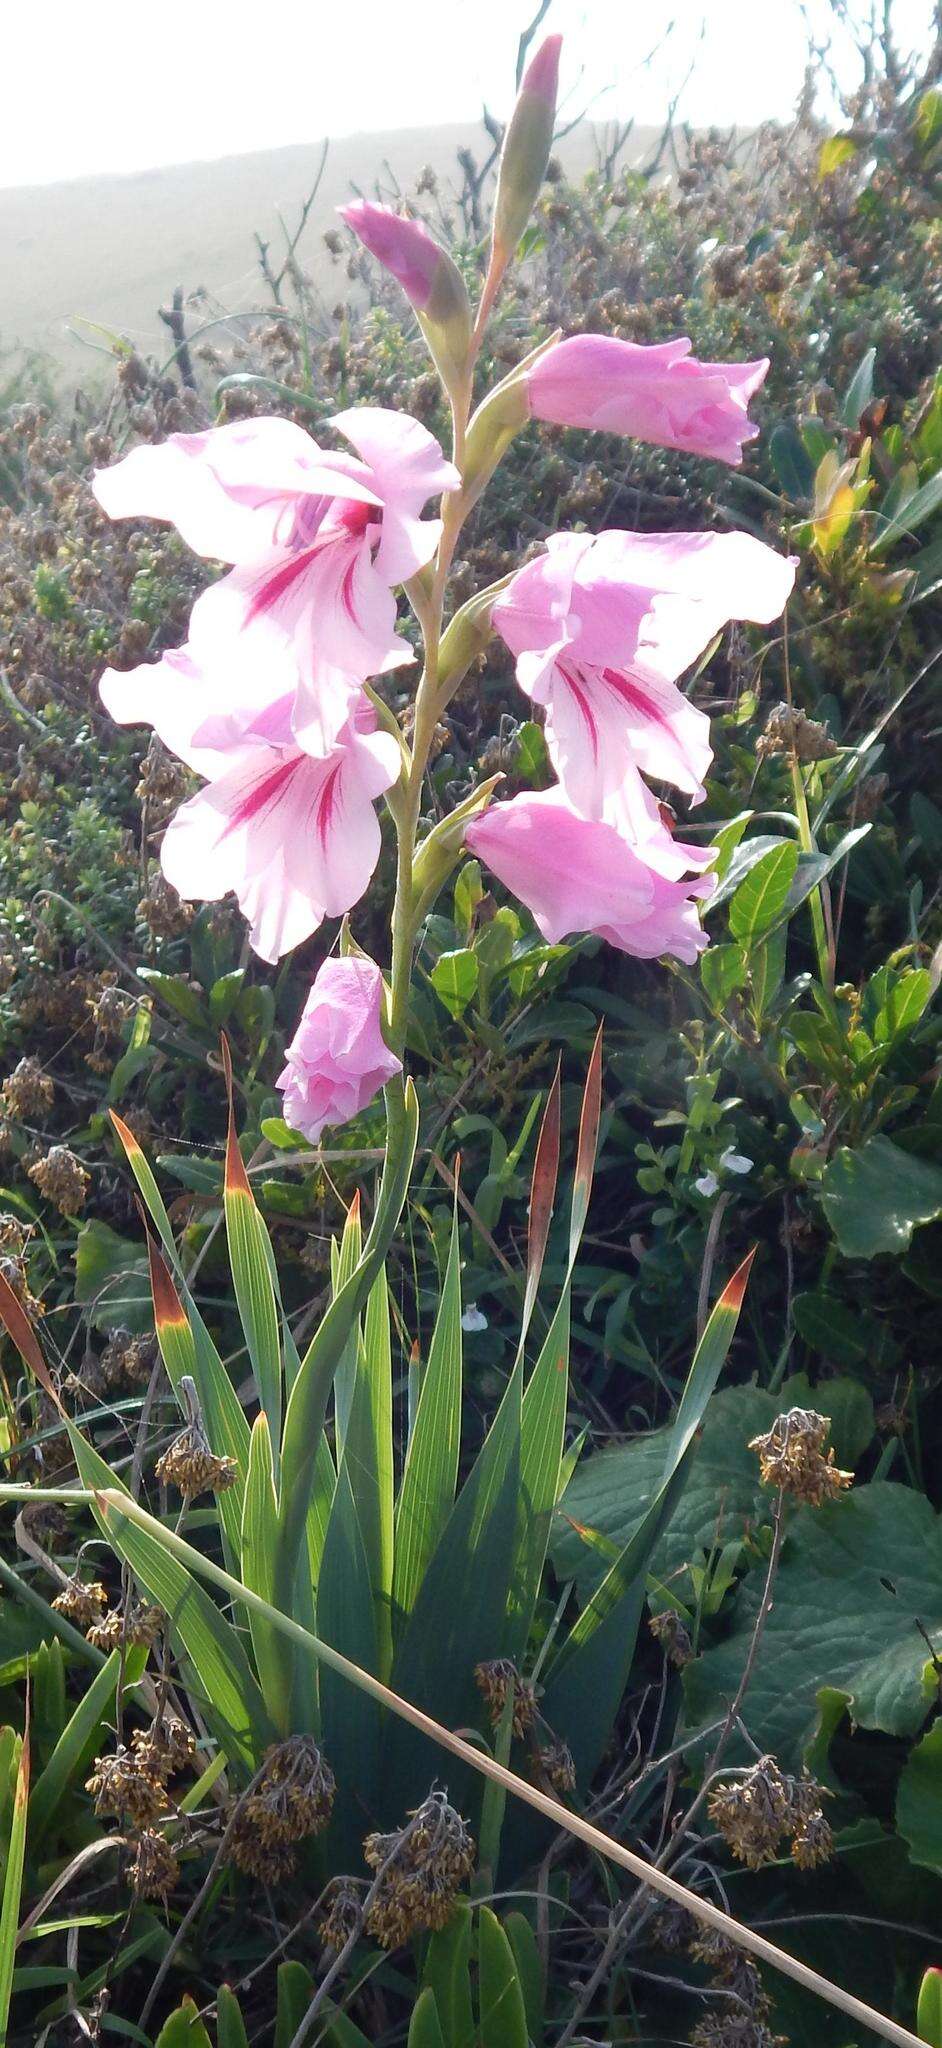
13	1884
427	1491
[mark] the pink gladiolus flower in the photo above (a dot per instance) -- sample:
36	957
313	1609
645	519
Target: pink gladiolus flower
318	540
658	393
602	628
577	874
295	836
338	1058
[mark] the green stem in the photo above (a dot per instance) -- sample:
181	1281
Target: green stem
819	923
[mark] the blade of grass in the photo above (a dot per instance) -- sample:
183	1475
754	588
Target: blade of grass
13	1883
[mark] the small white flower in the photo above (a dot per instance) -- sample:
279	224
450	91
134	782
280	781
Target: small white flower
707	1184
736	1162
472	1318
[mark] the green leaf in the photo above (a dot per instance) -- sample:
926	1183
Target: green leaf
529	1971
295	1992
424	2028
350	1719
919	1802
447	1974
111	1279
13	1883
723	969
427	1491
762	895
273	1657
766	972
929	2008
875	1197
791	462
223	994
469	892
253	1267
723	1500
913	514
71	1751
856	1580
455	978
543	1426
459	1616
837	150
368	1456
532	759
502	2014
184	2029
178	994
187	1350
587	1678
230	2026
859	393
928	121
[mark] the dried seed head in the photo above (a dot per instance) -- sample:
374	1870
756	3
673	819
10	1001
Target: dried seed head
555	1762
813	1843
28	1090
340	1914
494	1681
753	1812
672	1928
788	731
167	1747
293	1798
61	1178
120	1785
428	1861
668	1630
729	1967
190	1465
126	1357
154	1869
791	1455
734	2029
81	1601
137	1623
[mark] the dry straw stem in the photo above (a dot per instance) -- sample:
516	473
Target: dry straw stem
116	1507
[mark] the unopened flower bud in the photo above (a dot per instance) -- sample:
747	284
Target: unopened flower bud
432	283
526	149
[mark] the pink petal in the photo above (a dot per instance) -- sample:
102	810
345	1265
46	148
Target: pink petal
338	1058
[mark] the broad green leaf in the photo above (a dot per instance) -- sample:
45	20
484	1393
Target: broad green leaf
875	1197
13	1883
929	2007
454	978
77	1739
762	894
588	1676
502	2015
543	1425
859	393
184	2029
310	1392
111	1279
223	994
837	150
913	514
230	2026
857	1582
723	1500
459	1616
273	1656
350	1719
469	892
295	1992
344	1260
791	462
766	971
368	1457
723	969
928	119
919	1801
427	1491
529	1971
178	994
250	1256
447	1973
424	2028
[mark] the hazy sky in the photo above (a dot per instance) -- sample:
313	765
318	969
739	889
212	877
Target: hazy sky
114	85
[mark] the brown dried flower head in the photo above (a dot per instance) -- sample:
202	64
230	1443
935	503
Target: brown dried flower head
126	1357
167	1747
753	1812
81	1601
790	731
154	1869
341	1914
426	1863
555	1762
28	1091
668	1630
190	1465
61	1178
293	1799
120	1785
791	1456
137	1623
494	1681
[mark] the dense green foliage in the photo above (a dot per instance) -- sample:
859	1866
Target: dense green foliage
786	1094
